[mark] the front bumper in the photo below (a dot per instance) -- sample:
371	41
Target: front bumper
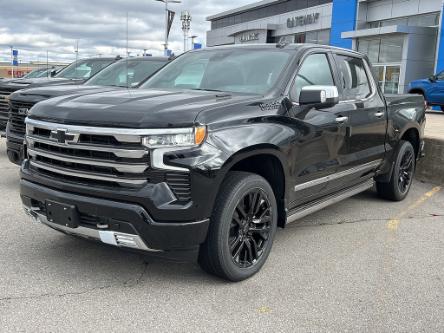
116	223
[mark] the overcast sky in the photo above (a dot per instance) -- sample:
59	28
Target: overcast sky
34	26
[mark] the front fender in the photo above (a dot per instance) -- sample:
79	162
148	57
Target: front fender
225	147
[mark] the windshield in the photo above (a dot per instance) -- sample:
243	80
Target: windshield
126	73
36	73
84	69
251	71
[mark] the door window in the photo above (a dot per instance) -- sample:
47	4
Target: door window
315	71
353	78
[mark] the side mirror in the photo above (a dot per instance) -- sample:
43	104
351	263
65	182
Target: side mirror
53	73
320	96
433	78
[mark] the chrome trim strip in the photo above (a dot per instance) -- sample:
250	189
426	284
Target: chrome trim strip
127	168
330	201
110	131
80	174
157	156
118	239
123	153
345	173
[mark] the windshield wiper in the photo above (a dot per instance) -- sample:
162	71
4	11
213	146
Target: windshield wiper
215	90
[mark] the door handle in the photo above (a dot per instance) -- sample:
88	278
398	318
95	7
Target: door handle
341	120
379	114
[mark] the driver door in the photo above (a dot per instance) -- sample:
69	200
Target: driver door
320	150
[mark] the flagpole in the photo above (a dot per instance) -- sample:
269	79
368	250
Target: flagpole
167	21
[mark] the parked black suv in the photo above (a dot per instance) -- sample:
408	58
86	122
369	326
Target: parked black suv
225	145
126	73
76	73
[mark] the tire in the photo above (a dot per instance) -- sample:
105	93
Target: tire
230	229
442	108
401	180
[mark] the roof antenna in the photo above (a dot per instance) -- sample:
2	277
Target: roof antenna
283	42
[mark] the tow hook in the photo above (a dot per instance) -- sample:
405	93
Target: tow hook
33	213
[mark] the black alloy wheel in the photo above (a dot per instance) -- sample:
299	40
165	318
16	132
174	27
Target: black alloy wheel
250	228
242	227
406	171
402	175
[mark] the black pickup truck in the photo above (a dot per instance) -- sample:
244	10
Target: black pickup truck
126	73
222	147
76	73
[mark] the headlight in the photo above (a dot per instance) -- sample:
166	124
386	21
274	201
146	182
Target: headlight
181	137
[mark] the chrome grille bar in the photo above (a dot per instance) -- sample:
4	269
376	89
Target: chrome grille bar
120	167
123	153
80	174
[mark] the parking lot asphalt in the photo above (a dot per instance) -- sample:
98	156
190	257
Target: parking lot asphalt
363	265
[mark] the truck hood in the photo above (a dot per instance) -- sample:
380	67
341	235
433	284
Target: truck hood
421	82
137	108
35	95
17	84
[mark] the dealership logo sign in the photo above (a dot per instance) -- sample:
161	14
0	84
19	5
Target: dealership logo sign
300	21
249	37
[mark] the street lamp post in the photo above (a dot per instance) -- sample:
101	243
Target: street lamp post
12	61
185	17
167	19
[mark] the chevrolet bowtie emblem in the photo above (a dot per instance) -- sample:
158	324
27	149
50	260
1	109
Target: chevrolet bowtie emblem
62	136
23	111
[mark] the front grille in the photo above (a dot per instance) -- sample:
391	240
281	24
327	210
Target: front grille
95	156
4	104
17	116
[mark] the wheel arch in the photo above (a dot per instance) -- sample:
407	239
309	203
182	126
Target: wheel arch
412	135
266	161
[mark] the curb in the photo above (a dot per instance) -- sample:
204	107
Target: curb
431	168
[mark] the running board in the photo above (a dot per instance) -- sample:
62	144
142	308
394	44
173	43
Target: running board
328	201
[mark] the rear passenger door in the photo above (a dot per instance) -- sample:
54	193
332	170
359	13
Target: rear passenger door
367	121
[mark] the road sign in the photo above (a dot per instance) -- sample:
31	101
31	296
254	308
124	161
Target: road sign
15	57
197	46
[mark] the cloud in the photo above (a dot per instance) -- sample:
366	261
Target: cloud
35	27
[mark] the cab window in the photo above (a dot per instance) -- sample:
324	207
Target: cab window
353	78
315	71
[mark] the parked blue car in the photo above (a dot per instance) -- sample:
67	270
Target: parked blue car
432	89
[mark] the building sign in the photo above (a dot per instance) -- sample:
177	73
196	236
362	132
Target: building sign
249	37
300	21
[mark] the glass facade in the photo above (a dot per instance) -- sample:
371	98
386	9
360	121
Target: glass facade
266	11
314	37
425	20
382	49
386	55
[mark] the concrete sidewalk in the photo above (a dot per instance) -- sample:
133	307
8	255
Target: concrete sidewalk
431	168
435	125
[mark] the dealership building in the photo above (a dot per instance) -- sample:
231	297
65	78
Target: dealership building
404	39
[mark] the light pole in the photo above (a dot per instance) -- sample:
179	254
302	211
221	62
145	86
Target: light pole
167	20
185	17
12	61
